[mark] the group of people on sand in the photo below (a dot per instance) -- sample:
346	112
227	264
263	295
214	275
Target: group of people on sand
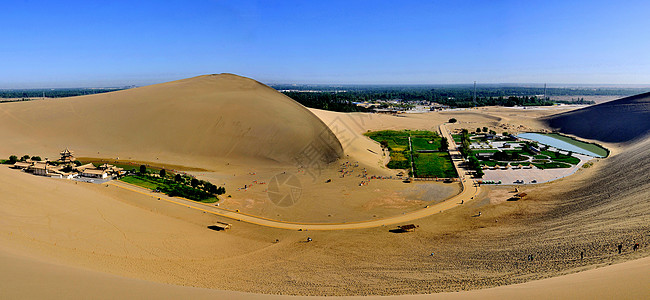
634	247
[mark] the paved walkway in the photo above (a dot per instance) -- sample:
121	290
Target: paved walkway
469	191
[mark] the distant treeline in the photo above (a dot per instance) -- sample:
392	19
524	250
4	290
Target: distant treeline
341	102
53	93
341	98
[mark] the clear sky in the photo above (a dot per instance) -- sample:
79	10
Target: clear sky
113	43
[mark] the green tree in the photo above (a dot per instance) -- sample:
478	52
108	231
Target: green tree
453	120
212	189
194	182
162	173
444	144
478	129
36	158
25	157
13	159
143	169
485	129
178	178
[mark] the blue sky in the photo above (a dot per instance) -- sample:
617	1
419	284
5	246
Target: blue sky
112	43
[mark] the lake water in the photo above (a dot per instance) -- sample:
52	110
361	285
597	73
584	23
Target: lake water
555	143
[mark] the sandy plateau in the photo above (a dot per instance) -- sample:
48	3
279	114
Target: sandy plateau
66	239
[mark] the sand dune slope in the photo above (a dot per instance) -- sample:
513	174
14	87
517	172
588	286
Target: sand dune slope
189	121
616	121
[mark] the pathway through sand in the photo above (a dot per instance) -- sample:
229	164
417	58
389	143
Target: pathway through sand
468	192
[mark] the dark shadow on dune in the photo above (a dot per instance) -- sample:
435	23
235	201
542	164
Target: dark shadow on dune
617	121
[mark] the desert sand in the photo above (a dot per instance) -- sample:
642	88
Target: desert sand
128	240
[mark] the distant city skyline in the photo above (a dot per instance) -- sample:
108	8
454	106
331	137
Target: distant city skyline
86	44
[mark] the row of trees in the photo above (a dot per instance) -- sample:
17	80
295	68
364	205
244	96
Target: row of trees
53	93
459	96
327	101
189	181
472	162
13	158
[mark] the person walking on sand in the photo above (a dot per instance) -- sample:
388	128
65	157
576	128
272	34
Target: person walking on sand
582	255
635	247
620	247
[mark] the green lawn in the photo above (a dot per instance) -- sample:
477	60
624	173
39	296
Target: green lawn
539	156
594	148
559	157
485	151
551	165
572	160
420	143
142	181
397	140
399	160
436	164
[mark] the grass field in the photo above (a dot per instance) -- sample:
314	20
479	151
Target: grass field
420	143
396	140
551	165
559	157
436	164
399	160
594	148
142	181
485	151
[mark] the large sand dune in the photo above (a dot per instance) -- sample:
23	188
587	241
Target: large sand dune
616	121
193	121
50	228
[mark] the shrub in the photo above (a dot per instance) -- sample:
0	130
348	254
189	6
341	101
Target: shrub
453	120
